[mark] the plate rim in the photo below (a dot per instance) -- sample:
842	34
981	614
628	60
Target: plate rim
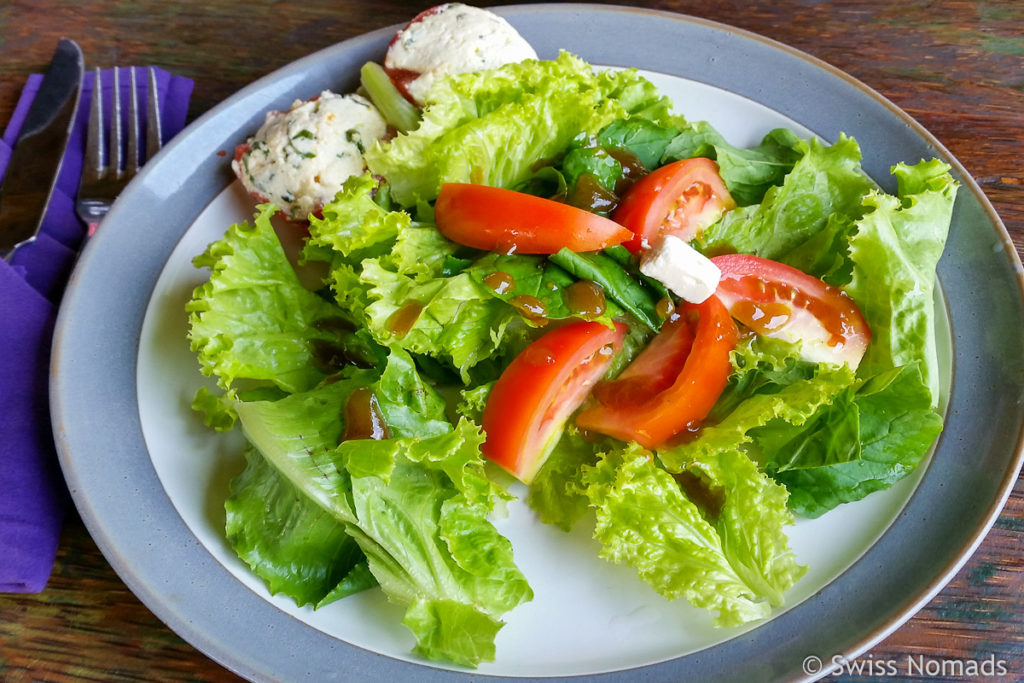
68	326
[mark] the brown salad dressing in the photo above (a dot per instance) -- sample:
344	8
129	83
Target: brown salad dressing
499	281
531	308
363	419
404	318
585	298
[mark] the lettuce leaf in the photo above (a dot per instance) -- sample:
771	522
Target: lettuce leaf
318	520
353	223
253	319
751	521
491	127
556	491
285	515
827	180
792	404
418	508
410	406
895	251
896	427
458	320
645	521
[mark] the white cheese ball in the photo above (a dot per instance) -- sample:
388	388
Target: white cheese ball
299	159
451	39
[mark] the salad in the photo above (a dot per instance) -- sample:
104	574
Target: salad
546	273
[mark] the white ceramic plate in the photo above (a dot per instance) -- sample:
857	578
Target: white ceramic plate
150	481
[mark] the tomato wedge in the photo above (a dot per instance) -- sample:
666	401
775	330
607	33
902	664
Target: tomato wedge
671	386
540	389
496	219
681	199
776	300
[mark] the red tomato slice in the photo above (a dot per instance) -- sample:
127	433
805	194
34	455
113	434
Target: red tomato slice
776	300
540	389
641	405
681	199
501	220
662	359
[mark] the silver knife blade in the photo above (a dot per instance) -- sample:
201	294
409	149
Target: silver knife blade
36	160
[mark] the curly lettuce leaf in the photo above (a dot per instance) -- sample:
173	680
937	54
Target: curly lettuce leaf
793	404
420	252
751	521
895	251
353	224
645	521
457	320
556	493
491	127
253	319
217	409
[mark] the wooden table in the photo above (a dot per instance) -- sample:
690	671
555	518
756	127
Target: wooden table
956	66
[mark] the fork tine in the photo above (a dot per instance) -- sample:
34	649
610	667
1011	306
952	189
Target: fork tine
94	132
102	180
132	164
154	132
114	158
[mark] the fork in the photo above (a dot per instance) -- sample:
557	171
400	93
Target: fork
104	178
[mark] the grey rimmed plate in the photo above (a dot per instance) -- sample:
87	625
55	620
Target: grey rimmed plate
150	483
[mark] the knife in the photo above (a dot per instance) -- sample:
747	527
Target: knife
36	160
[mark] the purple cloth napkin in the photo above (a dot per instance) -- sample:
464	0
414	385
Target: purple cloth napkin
33	496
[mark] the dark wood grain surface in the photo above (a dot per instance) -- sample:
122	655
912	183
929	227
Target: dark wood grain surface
956	66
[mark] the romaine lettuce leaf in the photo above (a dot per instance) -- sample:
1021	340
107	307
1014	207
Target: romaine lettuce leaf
307	509
419	509
285	514
253	319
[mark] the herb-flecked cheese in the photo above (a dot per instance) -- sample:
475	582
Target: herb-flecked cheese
299	159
